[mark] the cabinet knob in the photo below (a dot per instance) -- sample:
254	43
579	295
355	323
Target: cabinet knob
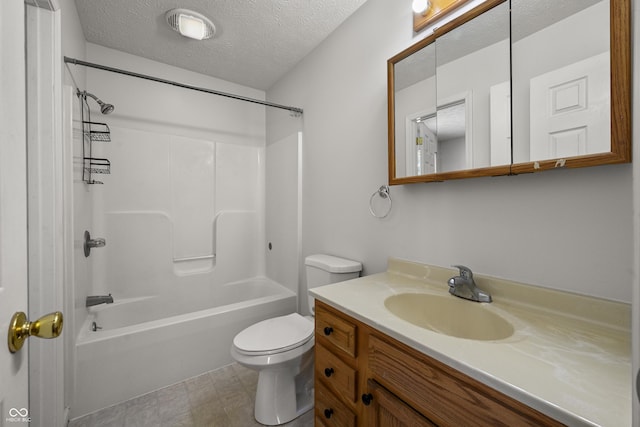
328	372
328	330
328	413
367	398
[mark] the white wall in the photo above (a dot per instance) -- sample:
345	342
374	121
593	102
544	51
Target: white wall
567	229
282	209
73	43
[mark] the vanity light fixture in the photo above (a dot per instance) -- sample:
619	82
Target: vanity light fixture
426	12
190	24
421	6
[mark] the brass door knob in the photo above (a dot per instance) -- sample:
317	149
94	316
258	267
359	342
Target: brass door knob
48	326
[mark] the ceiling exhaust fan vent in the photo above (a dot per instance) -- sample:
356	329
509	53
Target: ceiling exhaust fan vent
190	24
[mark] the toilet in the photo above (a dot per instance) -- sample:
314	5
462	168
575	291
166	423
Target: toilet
281	348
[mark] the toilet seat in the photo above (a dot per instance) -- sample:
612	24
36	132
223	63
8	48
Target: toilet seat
275	335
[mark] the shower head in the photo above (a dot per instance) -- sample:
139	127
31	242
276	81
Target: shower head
104	108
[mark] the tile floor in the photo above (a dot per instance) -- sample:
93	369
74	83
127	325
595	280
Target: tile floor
223	397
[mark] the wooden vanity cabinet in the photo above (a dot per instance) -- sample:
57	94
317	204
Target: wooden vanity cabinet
336	368
366	378
389	411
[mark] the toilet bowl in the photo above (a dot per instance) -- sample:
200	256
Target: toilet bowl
281	349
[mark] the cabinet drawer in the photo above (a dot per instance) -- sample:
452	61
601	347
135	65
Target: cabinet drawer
330	410
340	376
442	394
336	330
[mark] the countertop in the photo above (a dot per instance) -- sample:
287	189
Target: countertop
569	357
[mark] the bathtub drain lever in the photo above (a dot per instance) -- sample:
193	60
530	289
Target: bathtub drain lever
94	326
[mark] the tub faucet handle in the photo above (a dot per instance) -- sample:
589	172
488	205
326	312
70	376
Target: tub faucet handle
99	242
89	243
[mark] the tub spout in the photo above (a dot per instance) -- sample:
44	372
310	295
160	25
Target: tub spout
99	299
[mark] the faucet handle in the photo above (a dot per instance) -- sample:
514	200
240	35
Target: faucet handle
465	272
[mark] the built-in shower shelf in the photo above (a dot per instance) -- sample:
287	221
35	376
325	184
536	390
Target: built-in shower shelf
97	132
97	165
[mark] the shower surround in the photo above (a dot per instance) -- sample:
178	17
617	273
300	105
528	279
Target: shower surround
183	215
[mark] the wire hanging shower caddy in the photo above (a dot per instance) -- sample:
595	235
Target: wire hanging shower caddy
98	132
92	132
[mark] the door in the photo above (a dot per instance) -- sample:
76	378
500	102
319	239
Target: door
570	110
14	404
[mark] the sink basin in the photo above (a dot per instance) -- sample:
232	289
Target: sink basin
450	315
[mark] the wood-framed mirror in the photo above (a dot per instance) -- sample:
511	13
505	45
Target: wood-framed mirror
477	97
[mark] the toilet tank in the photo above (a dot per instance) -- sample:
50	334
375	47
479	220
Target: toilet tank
325	269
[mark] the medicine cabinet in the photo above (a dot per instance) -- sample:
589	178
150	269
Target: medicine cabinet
513	87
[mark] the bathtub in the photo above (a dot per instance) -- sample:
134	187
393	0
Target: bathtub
147	343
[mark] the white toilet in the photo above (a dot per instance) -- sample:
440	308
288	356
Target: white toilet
281	349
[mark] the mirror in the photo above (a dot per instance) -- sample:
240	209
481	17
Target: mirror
472	74
562	97
415	112
451	113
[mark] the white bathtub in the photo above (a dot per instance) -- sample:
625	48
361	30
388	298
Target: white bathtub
148	343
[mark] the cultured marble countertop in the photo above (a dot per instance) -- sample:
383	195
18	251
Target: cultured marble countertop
569	357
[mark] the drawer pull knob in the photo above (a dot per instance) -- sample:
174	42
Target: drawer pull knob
328	372
367	398
328	330
328	413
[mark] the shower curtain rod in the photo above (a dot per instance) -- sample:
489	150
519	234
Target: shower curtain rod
297	111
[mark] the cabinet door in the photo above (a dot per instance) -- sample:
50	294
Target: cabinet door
441	393
389	411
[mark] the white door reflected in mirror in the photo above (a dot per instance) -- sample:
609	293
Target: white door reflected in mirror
561	96
570	110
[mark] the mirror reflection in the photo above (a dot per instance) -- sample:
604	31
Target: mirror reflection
561	78
415	112
452	100
472	77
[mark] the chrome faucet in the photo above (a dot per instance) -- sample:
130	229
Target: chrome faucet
99	299
463	286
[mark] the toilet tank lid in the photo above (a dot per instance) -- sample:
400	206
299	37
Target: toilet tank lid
333	264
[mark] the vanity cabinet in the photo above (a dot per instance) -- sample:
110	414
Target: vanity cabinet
365	378
336	368
389	411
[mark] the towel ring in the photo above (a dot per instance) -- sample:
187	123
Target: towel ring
383	192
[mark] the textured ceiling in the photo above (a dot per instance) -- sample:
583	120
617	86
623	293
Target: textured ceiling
256	41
